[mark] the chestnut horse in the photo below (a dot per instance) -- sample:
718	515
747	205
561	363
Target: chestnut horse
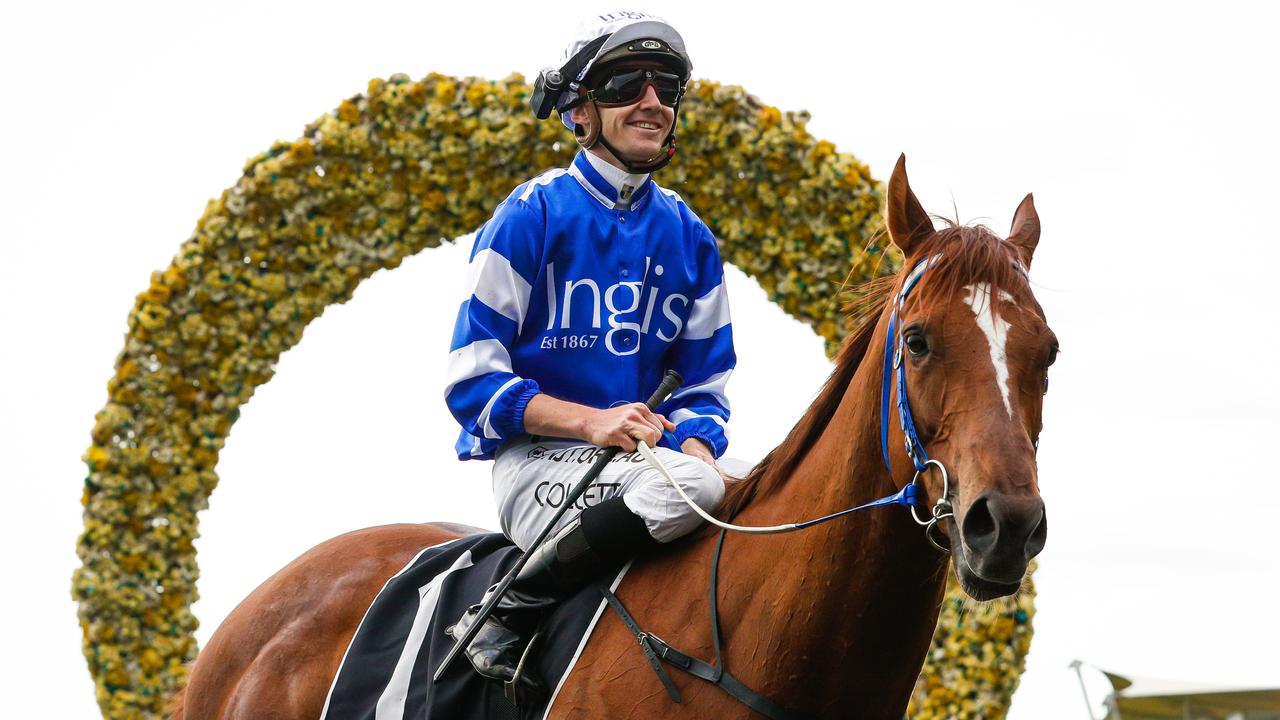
834	621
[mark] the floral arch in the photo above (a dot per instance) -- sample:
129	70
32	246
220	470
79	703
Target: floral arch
403	167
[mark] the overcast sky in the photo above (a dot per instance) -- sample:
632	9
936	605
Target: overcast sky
1148	133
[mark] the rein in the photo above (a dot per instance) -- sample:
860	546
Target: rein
657	651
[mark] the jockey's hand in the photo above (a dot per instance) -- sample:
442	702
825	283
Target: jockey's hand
699	449
624	425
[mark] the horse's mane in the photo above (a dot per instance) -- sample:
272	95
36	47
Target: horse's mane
970	254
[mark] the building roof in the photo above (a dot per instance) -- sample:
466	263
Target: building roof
1139	698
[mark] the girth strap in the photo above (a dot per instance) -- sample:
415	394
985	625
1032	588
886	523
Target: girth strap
646	643
654	648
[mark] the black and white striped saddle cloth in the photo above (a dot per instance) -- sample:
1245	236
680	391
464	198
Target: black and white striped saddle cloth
387	670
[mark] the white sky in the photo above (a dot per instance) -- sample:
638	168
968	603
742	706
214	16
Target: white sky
1148	133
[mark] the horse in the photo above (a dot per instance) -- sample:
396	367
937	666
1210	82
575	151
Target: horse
831	622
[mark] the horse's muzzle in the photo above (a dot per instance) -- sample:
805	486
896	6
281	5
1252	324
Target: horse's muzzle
1001	533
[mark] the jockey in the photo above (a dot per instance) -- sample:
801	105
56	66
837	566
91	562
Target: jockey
587	284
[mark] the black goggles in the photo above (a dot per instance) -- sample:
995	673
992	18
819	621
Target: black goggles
626	87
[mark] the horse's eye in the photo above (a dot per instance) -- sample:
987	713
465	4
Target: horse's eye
1053	354
916	344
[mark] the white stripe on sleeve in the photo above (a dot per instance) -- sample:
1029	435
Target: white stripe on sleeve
713	386
683	414
474	360
710	313
496	284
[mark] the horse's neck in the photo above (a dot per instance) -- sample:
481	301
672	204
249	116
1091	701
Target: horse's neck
847	608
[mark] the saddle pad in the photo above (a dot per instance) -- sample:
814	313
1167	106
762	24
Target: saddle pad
387	669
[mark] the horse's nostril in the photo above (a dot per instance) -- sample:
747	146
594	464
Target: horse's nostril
979	526
1035	543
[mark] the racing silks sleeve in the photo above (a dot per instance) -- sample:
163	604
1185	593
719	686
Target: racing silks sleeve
703	355
483	393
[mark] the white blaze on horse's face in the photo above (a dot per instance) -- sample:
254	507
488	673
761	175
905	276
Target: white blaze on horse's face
996	330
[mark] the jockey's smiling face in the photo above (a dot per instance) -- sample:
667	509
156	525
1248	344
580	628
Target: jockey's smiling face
638	131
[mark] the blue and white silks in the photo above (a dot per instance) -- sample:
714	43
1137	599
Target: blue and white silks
595	297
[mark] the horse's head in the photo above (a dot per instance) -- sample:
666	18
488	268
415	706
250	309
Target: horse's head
976	351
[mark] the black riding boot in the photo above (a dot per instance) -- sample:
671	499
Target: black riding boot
604	536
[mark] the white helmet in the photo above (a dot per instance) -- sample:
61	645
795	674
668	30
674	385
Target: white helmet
602	40
600	35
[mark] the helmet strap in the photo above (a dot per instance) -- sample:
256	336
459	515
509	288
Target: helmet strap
588	140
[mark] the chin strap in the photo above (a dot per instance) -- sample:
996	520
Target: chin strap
589	140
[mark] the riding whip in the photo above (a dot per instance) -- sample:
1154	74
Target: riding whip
670	382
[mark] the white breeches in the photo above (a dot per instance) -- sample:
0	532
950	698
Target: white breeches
531	480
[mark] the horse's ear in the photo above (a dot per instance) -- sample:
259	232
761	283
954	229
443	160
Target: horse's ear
908	223
1025	233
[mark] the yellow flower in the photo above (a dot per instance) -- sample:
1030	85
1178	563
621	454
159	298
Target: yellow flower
97	457
348	112
151	660
769	117
446	91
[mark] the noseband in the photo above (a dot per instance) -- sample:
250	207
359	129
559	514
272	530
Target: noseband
895	372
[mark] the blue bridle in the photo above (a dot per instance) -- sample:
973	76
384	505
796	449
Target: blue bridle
895	372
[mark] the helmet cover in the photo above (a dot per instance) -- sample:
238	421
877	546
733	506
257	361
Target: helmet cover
619	29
